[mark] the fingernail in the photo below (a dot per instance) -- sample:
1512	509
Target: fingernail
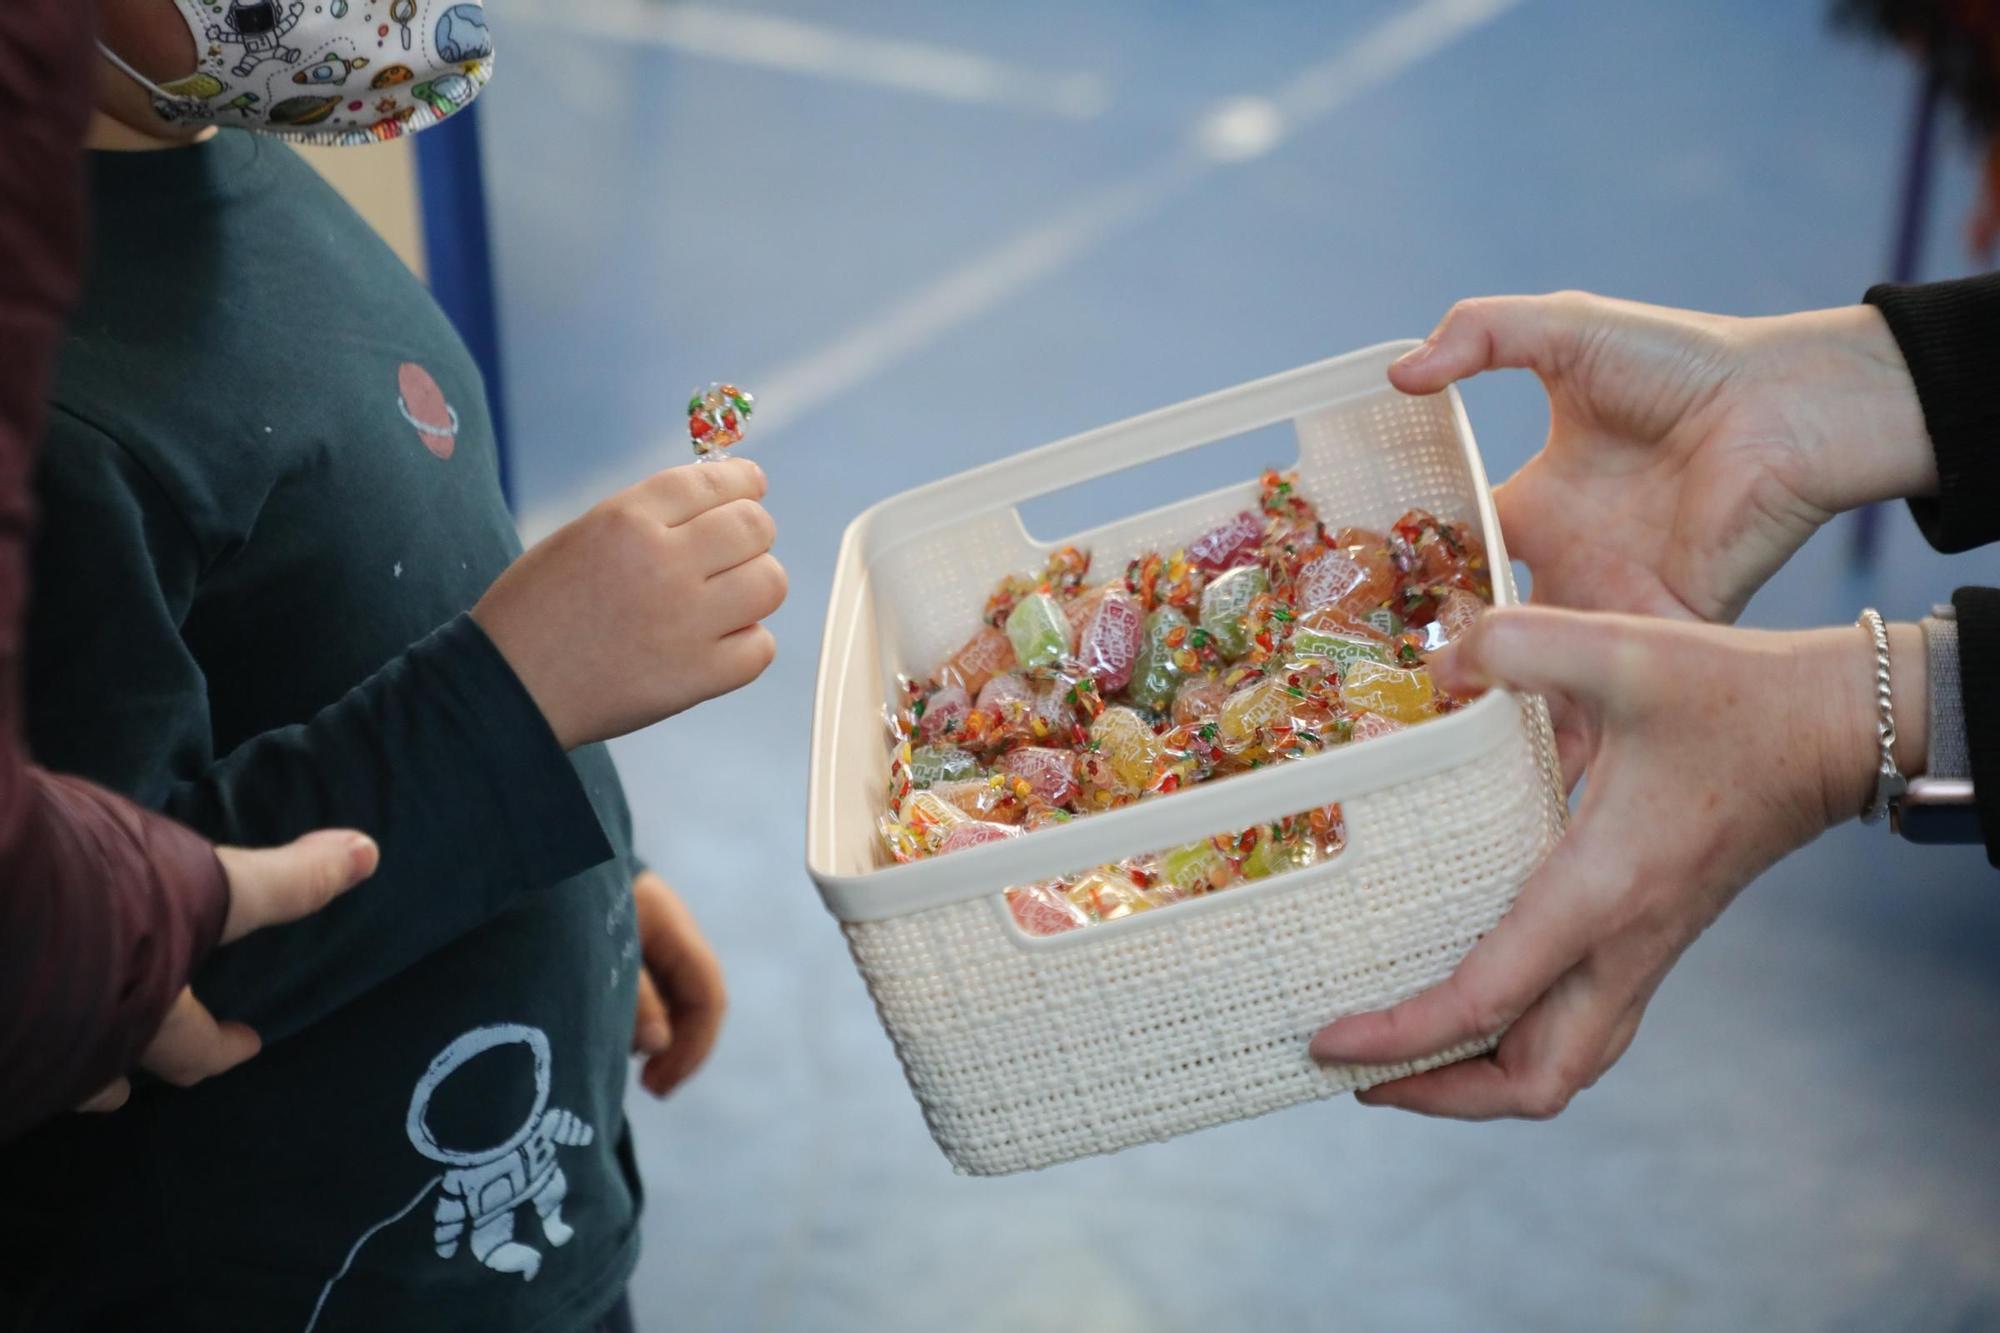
1326	1048
1417	355
363	855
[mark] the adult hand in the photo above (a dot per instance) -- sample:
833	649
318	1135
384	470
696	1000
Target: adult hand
1688	455
645	606
681	993
266	888
1712	753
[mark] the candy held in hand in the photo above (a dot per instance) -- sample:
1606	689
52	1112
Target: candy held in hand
716	416
1038	630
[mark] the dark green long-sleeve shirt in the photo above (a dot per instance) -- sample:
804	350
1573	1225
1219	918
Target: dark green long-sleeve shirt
268	499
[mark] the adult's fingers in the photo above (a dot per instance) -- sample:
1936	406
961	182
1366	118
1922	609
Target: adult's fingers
680	493
1558	1049
730	534
1543	936
271	885
1540	650
191	1046
1491	333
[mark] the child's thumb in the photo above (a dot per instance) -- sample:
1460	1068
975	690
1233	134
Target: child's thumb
278	884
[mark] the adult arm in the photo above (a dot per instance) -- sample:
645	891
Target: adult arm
104	908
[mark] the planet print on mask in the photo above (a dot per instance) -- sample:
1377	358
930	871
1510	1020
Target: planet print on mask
422	404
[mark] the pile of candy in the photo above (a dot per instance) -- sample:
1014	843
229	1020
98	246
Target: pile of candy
715	418
1268	638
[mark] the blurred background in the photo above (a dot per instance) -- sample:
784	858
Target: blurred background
929	236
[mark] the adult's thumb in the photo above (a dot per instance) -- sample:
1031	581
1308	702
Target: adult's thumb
1538	650
273	885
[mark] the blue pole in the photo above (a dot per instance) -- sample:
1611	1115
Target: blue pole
459	254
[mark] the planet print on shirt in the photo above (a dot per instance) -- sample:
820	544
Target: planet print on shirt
422	404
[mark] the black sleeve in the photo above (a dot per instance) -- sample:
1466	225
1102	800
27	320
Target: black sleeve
1979	682
1949	333
441	755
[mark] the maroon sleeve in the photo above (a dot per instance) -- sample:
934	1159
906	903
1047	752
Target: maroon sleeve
104	908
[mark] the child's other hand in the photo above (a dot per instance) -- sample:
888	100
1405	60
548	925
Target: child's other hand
681	995
645	606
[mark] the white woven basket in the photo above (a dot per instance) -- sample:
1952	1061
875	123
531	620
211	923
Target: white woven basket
1025	1051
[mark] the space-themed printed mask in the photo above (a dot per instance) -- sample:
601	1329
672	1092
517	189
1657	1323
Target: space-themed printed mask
326	71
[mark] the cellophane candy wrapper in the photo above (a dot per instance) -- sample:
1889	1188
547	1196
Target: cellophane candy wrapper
1268	638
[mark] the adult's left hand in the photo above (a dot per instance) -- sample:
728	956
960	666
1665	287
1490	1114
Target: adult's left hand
1712	752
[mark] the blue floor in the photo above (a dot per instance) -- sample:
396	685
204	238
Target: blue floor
1802	1136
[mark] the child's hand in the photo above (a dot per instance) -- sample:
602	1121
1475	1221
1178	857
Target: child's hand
681	995
645	606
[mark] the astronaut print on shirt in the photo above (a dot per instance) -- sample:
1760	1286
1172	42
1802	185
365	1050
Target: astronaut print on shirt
485	1187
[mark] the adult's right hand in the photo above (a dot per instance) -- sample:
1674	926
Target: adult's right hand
1689	455
266	888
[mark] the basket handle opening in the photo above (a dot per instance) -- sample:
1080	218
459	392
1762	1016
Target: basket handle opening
1230	463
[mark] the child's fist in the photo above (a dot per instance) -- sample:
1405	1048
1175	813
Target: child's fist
645	606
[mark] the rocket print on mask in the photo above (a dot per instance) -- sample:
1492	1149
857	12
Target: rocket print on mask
422	404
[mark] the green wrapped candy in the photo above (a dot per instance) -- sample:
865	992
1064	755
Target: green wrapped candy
1343	650
932	764
1155	678
1039	630
1196	868
1224	604
1273	856
1388	622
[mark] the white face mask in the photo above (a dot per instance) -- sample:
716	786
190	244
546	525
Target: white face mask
348	72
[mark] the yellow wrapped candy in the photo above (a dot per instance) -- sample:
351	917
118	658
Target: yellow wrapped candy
1404	695
1128	748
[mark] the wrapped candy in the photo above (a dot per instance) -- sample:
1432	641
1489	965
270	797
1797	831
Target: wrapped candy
1123	759
1264	640
1156	676
982	657
1200	700
1043	909
1049	773
1196	868
715	419
1038	630
943	714
1223	546
973	833
1401	694
1108	646
1226	602
932	764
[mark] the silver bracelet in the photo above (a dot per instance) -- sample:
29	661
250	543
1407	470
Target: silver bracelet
1889	782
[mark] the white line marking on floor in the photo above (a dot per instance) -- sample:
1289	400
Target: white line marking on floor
1233	131
771	41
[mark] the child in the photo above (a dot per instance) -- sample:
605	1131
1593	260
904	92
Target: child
268	499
